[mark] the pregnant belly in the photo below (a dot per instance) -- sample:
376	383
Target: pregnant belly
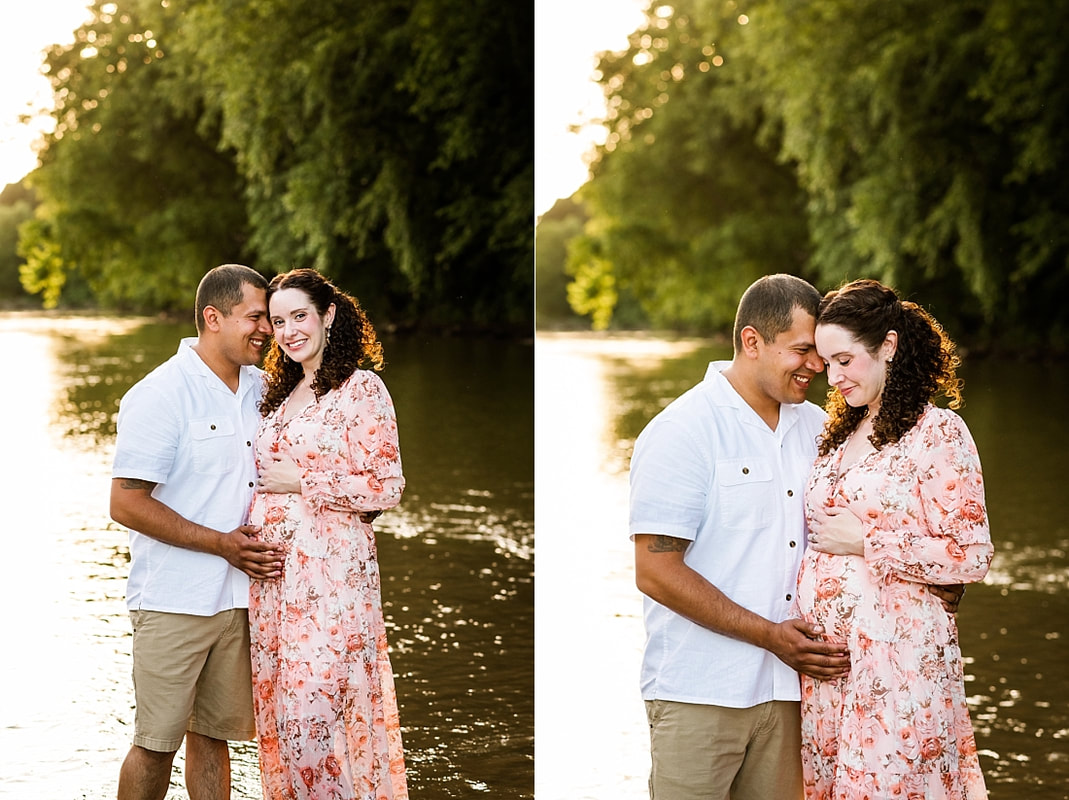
831	591
275	514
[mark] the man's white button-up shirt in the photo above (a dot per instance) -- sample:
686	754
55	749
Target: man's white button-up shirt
708	469
183	429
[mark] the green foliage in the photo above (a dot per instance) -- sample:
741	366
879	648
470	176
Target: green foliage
551	278
138	200
387	143
384	142
17	202
556	228
924	145
690	205
876	105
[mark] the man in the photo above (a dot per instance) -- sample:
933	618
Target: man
182	481
717	484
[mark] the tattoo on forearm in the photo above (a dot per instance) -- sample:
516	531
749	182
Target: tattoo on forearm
667	544
136	483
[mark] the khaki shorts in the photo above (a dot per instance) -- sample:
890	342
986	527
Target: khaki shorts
717	753
191	673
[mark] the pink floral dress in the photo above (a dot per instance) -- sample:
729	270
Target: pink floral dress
897	725
326	710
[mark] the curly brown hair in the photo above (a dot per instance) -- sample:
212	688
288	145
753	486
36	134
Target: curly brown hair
923	368
351	343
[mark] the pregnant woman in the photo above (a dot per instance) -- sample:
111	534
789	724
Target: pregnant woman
323	690
895	503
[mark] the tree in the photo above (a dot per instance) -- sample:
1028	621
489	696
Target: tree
387	142
690	204
877	106
560	225
17	202
137	198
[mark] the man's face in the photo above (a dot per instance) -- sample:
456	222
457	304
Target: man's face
245	331
788	363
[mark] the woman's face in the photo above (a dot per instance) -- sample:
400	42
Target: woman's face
854	371
299	329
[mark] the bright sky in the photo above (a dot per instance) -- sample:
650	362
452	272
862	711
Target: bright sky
30	26
568	35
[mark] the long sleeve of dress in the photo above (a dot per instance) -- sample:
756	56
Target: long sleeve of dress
939	534
369	478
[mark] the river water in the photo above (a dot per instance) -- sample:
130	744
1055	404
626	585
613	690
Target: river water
456	560
593	396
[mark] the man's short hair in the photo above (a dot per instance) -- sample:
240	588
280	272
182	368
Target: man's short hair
768	306
222	288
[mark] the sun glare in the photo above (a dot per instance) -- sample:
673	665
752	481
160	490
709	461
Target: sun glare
568	36
25	95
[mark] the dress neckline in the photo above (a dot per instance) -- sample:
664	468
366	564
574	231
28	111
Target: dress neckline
840	453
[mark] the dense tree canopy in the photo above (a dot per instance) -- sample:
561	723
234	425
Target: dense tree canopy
387	143
921	144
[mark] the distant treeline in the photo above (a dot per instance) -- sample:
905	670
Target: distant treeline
387	143
923	144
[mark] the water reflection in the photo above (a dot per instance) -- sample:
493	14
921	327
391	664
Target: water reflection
1013	626
456	561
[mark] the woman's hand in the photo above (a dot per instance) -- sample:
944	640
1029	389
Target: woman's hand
279	475
837	531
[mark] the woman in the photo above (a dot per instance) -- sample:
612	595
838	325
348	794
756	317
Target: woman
895	502
326	711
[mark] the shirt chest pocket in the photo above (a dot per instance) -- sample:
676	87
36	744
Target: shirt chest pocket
744	493
214	445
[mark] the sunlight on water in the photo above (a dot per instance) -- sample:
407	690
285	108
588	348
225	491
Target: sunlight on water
590	732
51	681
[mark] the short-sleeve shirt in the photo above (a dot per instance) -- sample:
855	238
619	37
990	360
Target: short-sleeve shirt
183	429
708	469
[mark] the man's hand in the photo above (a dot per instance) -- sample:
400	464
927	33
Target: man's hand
259	560
949	596
798	645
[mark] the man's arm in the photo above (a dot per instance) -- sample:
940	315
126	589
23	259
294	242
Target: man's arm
133	505
662	575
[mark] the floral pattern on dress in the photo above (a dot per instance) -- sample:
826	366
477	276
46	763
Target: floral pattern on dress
897	725
326	708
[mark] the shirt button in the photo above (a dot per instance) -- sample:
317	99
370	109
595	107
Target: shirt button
788	597
790	493
793	544
213	427
745	470
248	444
251	484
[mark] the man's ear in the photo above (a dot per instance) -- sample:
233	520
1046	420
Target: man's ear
750	339
212	317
